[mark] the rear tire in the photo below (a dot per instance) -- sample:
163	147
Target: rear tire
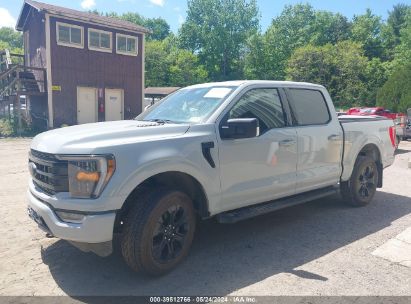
360	189
158	232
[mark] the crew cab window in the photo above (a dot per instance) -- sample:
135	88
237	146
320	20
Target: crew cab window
308	107
263	104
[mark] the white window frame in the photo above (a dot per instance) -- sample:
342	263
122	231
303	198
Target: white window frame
123	52
100	49
69	44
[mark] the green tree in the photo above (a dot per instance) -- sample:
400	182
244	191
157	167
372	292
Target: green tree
167	65
391	30
156	64
366	29
256	63
185	69
135	18
217	30
292	29
395	94
12	38
159	27
329	28
342	68
402	53
297	26
397	19
375	75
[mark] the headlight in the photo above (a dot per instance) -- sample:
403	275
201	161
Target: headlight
88	175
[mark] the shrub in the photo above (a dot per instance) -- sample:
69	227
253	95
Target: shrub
6	128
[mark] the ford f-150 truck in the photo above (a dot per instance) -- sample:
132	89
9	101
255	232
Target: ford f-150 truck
229	150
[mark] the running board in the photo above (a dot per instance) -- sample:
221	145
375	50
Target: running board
237	215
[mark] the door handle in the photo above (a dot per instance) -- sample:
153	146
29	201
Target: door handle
287	142
334	137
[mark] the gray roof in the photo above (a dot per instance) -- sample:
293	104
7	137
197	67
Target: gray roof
77	15
160	91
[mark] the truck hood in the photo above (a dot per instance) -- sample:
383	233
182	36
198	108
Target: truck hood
97	137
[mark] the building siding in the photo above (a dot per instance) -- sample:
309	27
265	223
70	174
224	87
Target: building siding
36	49
35	56
73	67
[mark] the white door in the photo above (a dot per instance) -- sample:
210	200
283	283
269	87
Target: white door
114	104
268	162
86	105
320	140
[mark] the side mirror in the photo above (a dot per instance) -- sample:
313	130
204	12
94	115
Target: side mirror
240	128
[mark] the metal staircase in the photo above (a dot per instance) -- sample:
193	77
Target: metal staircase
18	80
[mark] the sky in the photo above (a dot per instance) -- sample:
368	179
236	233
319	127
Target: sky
174	11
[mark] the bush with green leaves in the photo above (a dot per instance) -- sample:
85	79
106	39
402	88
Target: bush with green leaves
395	94
6	128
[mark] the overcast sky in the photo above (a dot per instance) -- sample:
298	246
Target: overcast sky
174	11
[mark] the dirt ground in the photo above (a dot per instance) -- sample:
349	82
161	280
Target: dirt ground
319	248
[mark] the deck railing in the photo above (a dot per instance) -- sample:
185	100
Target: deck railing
17	79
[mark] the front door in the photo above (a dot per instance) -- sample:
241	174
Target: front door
86	105
114	104
254	170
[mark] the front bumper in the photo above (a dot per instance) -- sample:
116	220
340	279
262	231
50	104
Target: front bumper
96	227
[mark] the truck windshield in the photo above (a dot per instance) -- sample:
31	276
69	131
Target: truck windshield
191	105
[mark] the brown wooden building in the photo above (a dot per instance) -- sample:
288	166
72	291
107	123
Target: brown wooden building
94	65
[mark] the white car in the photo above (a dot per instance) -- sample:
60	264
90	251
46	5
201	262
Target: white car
229	150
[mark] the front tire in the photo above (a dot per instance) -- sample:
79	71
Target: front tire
360	189
158	232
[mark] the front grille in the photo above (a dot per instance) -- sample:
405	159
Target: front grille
49	173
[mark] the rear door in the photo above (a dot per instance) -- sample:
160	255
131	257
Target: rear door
261	168
319	137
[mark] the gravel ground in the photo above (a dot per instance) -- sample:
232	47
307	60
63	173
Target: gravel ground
319	248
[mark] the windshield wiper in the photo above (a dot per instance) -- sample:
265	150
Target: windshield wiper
158	120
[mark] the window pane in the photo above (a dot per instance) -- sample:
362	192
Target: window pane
121	43
309	107
105	40
64	33
94	39
263	104
131	45
75	35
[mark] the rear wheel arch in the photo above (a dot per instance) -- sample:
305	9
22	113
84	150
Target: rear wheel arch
372	151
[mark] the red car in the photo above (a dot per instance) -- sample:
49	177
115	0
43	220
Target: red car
379	111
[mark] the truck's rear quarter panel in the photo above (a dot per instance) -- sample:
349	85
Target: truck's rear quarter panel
362	131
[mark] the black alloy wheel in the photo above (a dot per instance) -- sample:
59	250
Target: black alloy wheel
158	231
360	189
170	234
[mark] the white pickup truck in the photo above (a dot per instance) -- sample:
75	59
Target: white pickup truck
229	150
